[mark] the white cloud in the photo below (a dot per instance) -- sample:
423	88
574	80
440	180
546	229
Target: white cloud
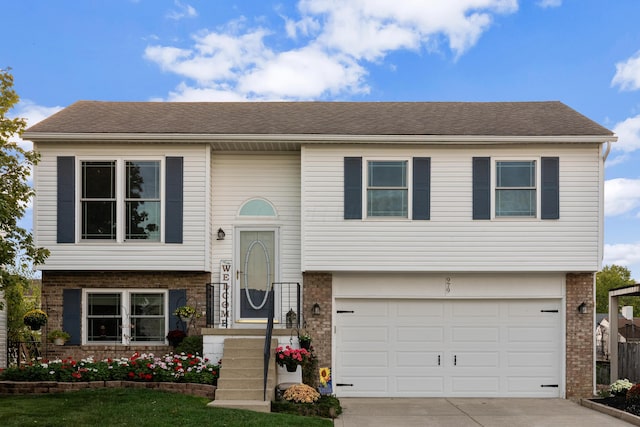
306	74
628	73
628	132
33	114
183	11
549	3
621	196
333	40
624	254
186	93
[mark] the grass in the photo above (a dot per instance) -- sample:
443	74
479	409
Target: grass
134	407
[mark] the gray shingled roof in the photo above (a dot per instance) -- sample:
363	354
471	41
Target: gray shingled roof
322	118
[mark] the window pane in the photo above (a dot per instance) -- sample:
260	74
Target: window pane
148	329
104	317
99	180
387	203
99	220
104	304
515	203
516	174
143	221
147	304
147	317
143	180
388	174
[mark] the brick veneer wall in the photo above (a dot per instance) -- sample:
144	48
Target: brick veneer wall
317	289
580	335
54	282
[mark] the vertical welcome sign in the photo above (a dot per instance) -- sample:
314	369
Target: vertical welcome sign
225	293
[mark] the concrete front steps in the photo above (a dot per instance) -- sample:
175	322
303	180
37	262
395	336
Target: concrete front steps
241	381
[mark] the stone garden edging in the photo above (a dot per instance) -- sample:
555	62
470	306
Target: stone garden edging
43	387
613	412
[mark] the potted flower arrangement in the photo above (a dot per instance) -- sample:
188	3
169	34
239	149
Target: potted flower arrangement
58	337
35	319
305	340
291	357
175	336
185	312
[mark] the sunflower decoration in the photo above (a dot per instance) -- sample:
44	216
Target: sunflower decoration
325	376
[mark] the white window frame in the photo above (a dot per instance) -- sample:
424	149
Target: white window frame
126	316
121	206
365	187
494	180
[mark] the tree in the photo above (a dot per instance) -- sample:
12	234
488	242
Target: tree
610	277
16	243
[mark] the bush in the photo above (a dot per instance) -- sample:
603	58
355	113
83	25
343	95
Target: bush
190	345
326	407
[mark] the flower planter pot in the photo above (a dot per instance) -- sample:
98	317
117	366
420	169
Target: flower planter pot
305	344
292	367
59	341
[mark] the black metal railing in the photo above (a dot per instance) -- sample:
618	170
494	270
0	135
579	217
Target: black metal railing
267	340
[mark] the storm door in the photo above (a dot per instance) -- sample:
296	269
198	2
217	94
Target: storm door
256	270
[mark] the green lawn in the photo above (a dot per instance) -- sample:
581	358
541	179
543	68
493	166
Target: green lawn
133	407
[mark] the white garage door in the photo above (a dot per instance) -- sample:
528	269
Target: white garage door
501	348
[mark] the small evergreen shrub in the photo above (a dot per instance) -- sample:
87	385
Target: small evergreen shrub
190	345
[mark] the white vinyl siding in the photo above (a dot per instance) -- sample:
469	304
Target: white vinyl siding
452	240
191	255
239	178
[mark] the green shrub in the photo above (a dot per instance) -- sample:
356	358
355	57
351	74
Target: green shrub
325	407
190	345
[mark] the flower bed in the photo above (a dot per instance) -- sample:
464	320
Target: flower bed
176	368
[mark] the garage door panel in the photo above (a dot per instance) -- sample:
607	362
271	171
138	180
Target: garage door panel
400	348
531	335
425	335
479	385
531	359
418	359
464	334
471	359
366	334
533	384
411	385
472	311
365	359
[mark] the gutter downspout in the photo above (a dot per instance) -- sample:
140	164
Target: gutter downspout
606	151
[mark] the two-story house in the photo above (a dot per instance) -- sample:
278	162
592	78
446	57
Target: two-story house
442	248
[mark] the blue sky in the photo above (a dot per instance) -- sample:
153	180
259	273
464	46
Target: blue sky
585	53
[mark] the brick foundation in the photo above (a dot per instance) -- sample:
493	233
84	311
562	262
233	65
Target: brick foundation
54	282
580	335
317	289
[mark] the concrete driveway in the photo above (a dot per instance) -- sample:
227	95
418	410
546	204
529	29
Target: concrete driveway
459	412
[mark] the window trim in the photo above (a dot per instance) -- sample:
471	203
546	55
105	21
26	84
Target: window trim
409	188
125	302
538	182
121	214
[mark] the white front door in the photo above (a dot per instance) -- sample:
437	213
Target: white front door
256	267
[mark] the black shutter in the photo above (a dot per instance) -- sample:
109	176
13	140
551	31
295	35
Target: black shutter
174	199
481	188
421	187
66	212
353	188
177	298
550	196
71	312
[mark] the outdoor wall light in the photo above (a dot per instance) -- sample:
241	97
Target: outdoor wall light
221	234
582	308
315	310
